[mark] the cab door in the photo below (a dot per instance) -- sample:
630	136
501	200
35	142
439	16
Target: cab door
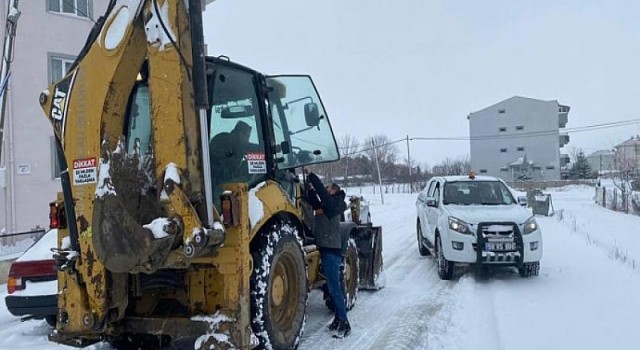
300	123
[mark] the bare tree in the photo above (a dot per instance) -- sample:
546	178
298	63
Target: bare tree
384	149
348	146
448	166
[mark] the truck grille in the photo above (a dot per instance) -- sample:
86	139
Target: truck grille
498	231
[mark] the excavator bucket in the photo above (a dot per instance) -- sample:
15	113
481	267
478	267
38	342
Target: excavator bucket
369	243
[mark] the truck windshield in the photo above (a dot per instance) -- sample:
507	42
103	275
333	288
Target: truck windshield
477	193
303	138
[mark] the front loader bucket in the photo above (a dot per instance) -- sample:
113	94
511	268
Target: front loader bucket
369	243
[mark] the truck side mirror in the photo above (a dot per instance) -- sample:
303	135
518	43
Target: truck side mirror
285	147
432	202
312	114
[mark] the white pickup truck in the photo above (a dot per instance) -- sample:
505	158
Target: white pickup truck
464	220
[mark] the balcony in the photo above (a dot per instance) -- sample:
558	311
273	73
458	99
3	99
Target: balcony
563	115
564	139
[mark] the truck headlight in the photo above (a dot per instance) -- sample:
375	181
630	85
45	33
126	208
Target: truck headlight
530	226
458	225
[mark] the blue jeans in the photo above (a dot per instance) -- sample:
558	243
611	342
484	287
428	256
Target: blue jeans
331	266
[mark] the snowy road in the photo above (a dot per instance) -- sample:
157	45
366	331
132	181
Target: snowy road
586	296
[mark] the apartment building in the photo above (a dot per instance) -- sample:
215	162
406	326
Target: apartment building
49	35
602	161
628	155
519	138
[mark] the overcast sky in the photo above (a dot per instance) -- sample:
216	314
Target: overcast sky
420	67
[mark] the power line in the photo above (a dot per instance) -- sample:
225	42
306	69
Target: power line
573	130
534	133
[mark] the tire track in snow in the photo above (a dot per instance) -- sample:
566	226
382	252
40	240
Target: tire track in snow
315	329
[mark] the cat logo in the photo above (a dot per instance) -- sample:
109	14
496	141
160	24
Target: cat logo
59	102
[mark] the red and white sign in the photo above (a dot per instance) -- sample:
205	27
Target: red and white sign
84	171
257	163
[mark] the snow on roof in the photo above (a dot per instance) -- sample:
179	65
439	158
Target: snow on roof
520	161
466	178
634	140
603	152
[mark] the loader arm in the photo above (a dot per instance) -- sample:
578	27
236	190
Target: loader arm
112	189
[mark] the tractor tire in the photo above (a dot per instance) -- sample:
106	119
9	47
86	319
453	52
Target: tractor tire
350	279
445	267
278	287
424	251
529	269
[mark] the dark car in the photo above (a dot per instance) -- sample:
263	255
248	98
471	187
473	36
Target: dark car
32	284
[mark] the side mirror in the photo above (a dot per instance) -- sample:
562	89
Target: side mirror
285	146
312	114
432	202
522	200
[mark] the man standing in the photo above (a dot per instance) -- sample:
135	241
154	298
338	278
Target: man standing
328	204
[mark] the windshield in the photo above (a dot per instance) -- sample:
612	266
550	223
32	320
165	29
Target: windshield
302	137
477	192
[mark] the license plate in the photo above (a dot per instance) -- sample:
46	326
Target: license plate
499	246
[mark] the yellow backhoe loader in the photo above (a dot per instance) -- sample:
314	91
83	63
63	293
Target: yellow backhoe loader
182	215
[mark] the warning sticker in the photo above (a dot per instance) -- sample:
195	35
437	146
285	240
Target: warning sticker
84	171
257	163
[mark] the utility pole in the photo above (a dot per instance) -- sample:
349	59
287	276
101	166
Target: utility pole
375	151
409	163
7	56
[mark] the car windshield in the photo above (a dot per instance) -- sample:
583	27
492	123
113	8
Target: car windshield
477	193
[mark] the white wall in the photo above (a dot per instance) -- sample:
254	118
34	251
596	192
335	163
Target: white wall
24	200
536	116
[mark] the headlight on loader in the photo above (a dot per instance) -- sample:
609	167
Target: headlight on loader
530	226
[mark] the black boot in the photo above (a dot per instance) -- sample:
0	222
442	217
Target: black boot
343	330
334	324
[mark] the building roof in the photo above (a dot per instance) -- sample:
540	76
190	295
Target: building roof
634	140
602	152
513	98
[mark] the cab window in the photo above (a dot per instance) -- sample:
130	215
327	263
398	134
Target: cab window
236	145
138	133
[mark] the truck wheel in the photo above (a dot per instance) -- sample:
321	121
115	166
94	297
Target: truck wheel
51	320
278	287
350	279
424	251
529	269
445	267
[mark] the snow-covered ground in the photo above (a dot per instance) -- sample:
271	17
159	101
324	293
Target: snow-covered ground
586	296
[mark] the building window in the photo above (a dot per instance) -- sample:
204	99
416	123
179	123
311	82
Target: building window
550	167
503	150
483	171
535	167
502	129
502	111
520	127
521	149
504	169
59	66
55	164
80	8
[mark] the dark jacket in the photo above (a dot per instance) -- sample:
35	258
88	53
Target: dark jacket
326	226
